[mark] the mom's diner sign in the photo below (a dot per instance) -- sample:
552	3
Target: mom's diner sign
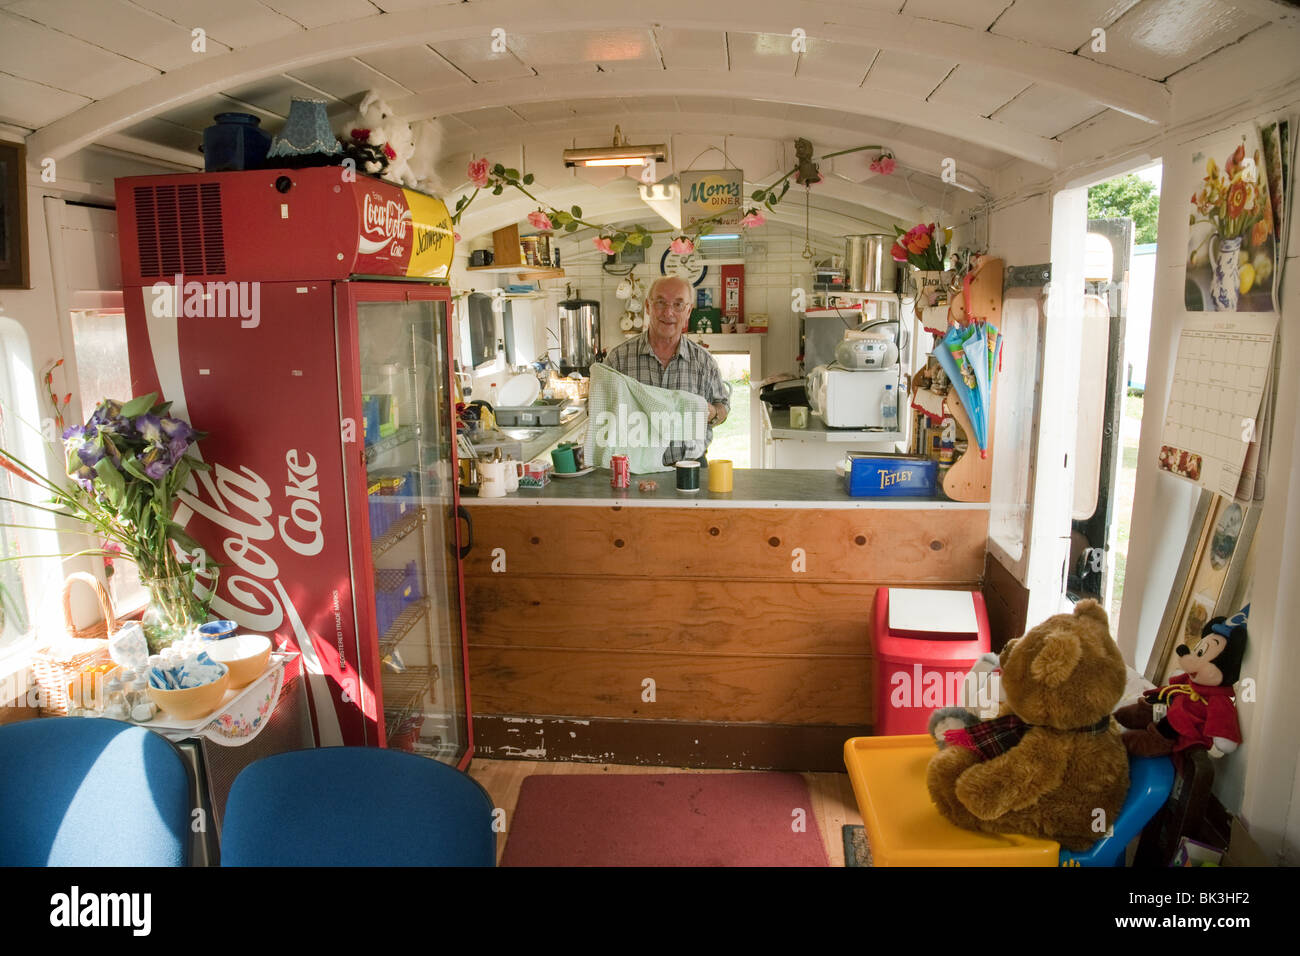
706	192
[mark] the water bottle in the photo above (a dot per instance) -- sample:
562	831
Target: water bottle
889	409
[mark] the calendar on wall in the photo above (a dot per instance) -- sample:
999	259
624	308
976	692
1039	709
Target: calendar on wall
1216	417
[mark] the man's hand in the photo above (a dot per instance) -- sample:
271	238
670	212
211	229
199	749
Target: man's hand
717	414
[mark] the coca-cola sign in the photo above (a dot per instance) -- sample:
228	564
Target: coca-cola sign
383	223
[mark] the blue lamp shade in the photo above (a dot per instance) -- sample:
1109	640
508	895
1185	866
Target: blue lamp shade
306	132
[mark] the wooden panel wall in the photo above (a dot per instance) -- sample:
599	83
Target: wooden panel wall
1007	602
736	615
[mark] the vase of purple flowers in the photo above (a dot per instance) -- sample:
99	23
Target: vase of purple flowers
129	460
127	463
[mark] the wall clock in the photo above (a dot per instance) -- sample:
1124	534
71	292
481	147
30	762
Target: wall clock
689	267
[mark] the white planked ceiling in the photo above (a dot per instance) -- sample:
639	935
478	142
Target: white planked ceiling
1160	37
1002	79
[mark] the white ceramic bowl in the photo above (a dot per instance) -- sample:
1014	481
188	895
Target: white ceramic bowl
244	654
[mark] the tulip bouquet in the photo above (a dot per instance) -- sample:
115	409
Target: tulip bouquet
923	246
127	463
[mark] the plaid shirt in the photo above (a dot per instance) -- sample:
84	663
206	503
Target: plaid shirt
692	369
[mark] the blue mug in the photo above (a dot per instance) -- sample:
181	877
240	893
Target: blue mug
217	630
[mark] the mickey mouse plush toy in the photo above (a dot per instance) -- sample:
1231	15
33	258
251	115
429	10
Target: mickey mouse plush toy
1195	708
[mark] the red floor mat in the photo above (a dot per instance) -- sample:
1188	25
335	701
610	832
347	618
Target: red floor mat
710	819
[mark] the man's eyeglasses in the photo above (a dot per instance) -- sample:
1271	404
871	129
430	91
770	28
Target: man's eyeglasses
663	305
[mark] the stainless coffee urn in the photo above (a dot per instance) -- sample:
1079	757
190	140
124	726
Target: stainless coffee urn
579	335
870	266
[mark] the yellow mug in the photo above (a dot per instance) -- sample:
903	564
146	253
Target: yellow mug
720	475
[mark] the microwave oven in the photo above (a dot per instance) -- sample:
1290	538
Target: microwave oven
844	398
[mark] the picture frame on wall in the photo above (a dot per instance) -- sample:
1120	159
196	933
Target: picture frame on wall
14	271
1210	581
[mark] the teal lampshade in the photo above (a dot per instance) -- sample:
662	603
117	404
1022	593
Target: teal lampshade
306	132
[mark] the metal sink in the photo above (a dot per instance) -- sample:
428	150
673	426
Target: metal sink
522	434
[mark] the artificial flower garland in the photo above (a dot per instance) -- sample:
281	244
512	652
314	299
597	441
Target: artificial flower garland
611	239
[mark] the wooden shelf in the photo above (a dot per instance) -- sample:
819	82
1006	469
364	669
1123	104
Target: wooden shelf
537	272
506	257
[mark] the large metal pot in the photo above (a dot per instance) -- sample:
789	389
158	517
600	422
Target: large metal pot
870	266
579	335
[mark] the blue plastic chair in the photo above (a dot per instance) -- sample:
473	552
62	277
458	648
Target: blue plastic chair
1150	781
356	806
81	791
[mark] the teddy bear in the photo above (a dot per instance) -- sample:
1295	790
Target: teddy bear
426	156
1194	708
385	142
1052	765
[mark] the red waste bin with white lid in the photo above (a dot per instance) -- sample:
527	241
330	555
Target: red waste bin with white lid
924	641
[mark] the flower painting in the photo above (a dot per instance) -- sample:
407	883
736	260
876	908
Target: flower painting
1232	248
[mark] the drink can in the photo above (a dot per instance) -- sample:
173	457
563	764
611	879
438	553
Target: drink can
622	473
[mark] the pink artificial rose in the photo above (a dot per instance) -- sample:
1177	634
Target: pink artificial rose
682	246
604	245
478	172
540	220
884	165
754	218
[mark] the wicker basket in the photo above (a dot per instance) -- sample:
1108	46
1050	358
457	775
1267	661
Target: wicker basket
58	665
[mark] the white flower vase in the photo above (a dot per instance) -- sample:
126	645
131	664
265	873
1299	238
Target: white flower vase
1225	285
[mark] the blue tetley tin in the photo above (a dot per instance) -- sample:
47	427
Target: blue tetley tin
889	476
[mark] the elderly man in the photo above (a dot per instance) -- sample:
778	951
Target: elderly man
662	356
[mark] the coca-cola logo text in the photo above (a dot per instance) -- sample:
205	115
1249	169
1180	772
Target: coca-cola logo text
387	218
239	503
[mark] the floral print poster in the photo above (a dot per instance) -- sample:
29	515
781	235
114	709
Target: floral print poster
1232	252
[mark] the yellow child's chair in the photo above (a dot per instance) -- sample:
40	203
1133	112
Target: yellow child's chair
904	827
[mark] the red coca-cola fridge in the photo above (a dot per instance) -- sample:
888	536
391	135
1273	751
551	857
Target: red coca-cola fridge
302	319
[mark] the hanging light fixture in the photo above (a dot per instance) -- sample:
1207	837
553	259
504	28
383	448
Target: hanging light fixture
619	154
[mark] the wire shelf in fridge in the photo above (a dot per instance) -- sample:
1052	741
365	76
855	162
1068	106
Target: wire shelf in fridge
400	437
404	694
397	532
403	626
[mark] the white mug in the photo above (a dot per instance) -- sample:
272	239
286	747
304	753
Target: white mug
514	469
491	479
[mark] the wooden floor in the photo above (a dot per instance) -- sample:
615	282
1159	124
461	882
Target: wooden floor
833	804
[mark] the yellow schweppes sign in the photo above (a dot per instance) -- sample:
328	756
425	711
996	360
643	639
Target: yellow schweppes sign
433	239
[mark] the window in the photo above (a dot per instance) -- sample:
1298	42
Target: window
30	586
104	371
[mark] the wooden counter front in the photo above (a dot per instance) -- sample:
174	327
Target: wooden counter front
752	623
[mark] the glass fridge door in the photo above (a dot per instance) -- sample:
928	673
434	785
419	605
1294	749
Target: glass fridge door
410	496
